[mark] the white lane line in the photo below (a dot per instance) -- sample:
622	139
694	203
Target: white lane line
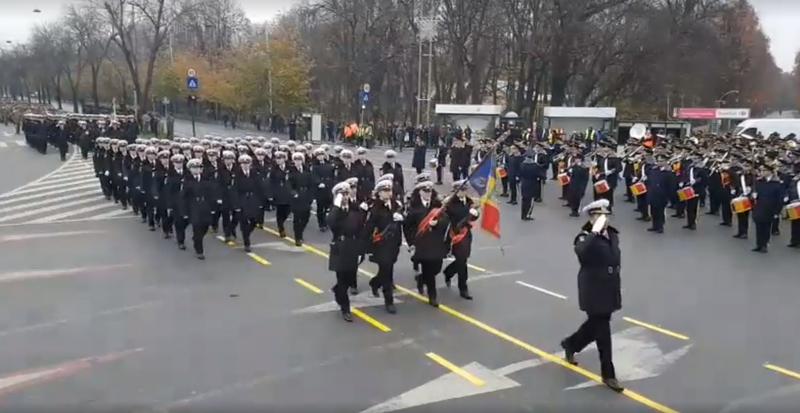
20	142
51	173
542	290
112	214
494	275
25	237
43	194
21	275
46	187
64	181
3	145
63	221
74	212
71	173
50	201
51	208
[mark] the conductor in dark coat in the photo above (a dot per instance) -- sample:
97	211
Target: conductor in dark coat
346	221
659	188
579	178
531	176
599	291
769	193
248	200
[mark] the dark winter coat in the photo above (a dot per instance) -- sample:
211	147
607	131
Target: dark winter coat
599	290
347	244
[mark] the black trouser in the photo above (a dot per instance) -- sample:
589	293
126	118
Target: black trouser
527	206
120	191
228	222
215	216
180	229
419	170
513	184
596	328
384	280
430	268
459	266
299	222
344	279
692	206
725	208
62	150
763	233
574	202
795	232
281	214
166	220
199	230
439	174
680	208
744	223
150	211
537	190
246	224
323	207
642	206
564	191
84	151
715	201
776	226
105	185
658	217
628	193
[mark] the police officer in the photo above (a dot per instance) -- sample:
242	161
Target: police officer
461	212
383	231
599	292
197	196
322	172
426	234
346	221
300	186
281	196
247	199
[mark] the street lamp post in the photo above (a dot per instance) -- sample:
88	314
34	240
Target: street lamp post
721	101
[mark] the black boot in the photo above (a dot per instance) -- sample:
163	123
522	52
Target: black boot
569	355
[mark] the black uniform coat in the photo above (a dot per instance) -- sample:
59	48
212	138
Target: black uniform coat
398	183
659	187
769	201
418	161
148	180
531	174
366	178
344	173
433	244
347	244
247	193
175	182
460	219
323	173
197	198
279	185
380	222
226	186
579	178
599	277
300	184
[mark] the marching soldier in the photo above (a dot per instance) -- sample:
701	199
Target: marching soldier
131	174
426	234
383	231
175	213
531	176
365	173
161	193
197	196
599	291
118	186
261	167
226	188
513	163
742	186
247	198
211	173
300	186
346	221
281	197
696	178
390	166
323	173
461	212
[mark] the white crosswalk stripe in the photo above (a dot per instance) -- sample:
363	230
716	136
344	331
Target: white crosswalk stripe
3	145
49	193
67	180
20	142
94	193
28	190
68	214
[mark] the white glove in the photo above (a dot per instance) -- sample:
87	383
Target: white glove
434	222
321	186
219	202
635	180
125	179
398	217
680	185
473	212
337	202
364	206
692	182
411	249
786	199
106	173
755	195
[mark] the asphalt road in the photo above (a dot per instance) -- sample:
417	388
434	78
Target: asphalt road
96	312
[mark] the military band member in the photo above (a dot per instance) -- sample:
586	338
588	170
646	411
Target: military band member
695	177
248	199
659	185
513	163
793	196
599	289
346	221
579	178
426	234
742	185
300	186
461	212
531	175
768	195
383	232
196	197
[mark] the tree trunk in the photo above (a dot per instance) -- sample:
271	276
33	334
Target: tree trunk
95	94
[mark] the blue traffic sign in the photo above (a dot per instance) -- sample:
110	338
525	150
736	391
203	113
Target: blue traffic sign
192	83
364	97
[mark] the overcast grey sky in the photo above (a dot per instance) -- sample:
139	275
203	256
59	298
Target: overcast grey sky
780	19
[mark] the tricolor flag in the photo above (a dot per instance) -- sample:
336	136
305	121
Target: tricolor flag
484	180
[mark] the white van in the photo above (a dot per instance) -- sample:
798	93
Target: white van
784	127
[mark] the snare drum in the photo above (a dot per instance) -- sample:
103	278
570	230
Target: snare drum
741	204
501	172
687	193
638	188
793	211
601	186
564	179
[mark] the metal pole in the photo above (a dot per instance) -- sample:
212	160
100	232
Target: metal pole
419	79
194	108
269	69
430	84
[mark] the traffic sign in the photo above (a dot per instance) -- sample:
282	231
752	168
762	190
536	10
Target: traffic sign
191	73
192	83
364	97
366	88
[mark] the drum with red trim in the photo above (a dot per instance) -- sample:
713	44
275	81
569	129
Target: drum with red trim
601	186
638	188
564	179
741	204
687	193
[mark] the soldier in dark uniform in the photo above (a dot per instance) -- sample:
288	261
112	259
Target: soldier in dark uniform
118	186
160	193
461	212
383	234
513	163
61	142
659	185
226	187
390	166
281	196
85	138
599	291
323	180
742	186
131	174
606	168
211	173
247	198
261	167
175	214
425	230
197	197
365	174
300	186
579	178
697	178
345	168
100	161
793	195
346	221
769	193
531	176
441	159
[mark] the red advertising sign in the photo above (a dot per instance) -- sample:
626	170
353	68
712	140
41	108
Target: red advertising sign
697	113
